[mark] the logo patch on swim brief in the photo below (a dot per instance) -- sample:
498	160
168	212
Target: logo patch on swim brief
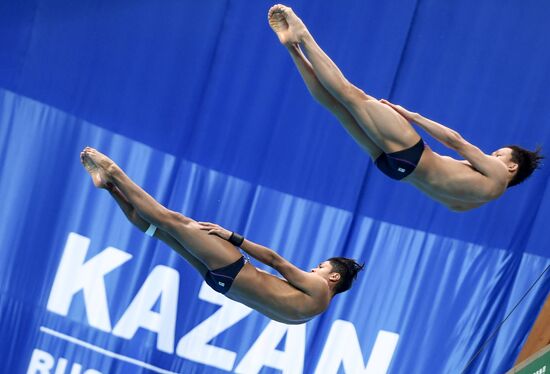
401	170
221	284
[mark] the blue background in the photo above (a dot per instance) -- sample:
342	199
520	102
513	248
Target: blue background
202	106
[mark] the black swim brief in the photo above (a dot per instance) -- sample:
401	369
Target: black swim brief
397	165
221	279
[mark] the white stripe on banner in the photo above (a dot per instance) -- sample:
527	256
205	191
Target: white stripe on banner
103	351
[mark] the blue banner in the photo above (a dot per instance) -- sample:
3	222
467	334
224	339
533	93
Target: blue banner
202	107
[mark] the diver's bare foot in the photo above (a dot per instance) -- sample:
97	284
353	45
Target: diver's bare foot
285	23
98	174
101	160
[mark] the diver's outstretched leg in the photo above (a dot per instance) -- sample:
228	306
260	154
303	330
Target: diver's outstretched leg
212	251
382	124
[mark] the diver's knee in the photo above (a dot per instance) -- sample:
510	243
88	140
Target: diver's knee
372	104
168	219
178	219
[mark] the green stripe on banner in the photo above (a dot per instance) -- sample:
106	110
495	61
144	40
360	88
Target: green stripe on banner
539	363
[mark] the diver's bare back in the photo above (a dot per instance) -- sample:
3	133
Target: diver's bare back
276	298
453	183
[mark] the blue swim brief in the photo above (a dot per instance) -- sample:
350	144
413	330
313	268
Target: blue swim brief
221	279
397	165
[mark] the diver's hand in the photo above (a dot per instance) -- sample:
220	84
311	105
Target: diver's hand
214	229
411	116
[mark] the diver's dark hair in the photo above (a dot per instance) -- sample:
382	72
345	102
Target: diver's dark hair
527	162
348	269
